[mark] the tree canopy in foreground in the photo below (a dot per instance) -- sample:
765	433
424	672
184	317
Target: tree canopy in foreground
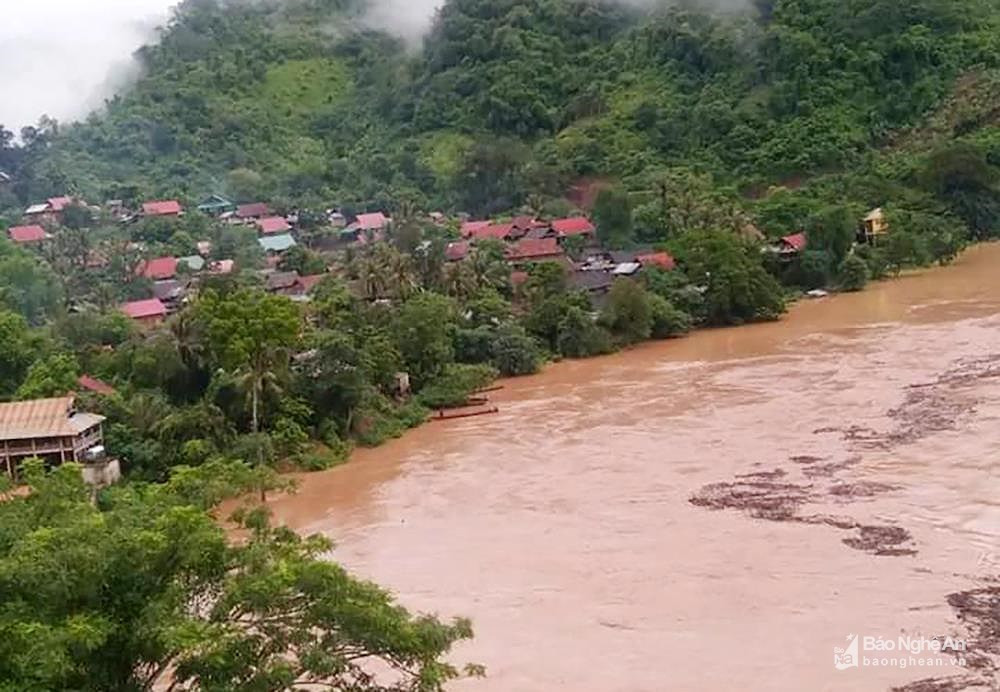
146	593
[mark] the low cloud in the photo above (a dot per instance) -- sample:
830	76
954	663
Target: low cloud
62	58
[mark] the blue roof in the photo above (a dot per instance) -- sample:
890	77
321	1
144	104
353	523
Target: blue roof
276	243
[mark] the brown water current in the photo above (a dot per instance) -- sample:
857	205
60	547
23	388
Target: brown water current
710	513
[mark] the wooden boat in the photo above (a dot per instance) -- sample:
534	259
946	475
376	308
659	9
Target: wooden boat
449	414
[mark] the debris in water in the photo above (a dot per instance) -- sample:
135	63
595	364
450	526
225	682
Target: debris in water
881	540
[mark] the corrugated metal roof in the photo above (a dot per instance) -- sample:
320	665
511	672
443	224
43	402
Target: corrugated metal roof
56	417
276	243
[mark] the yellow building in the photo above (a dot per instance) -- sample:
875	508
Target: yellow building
875	225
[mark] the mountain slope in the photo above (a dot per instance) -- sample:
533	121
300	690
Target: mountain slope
514	99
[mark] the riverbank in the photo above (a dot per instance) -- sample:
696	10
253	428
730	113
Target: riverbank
563	524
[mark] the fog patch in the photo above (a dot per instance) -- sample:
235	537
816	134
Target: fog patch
62	58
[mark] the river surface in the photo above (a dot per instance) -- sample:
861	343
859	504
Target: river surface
563	525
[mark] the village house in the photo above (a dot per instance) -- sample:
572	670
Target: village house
147	313
27	235
48	211
50	429
531	250
276	244
577	225
158	269
170	207
171	293
591	282
273	224
216	205
873	226
659	260
376	221
457	250
222	267
469	228
252	211
626	269
789	247
280	282
191	264
92	384
291	284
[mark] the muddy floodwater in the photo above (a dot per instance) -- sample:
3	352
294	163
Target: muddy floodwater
713	513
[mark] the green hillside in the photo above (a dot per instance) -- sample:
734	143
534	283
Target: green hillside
512	103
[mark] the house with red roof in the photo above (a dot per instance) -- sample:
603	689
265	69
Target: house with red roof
92	384
791	246
660	260
376	221
159	269
534	250
146	312
456	251
273	224
469	228
58	204
498	231
307	283
255	210
577	225
26	235
170	207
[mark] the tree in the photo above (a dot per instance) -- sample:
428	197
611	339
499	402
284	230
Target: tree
249	333
422	335
48	377
514	352
147	593
731	277
613	217
16	350
667	320
853	273
579	337
628	313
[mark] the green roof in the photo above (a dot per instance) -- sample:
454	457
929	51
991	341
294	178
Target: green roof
276	243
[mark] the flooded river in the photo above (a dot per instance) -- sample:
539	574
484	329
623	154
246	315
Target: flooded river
844	466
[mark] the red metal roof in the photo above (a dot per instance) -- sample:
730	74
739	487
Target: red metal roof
59	203
457	250
532	248
308	283
273	224
372	222
578	225
26	234
140	309
170	207
252	211
95	385
663	260
797	241
470	227
159	268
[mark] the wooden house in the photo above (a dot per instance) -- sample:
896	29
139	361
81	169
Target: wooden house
873	226
50	429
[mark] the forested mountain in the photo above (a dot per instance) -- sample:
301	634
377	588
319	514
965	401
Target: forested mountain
514	101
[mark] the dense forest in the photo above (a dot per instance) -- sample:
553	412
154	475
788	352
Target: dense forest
736	148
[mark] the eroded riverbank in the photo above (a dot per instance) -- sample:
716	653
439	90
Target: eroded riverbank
564	525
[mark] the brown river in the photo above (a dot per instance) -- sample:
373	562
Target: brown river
710	513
